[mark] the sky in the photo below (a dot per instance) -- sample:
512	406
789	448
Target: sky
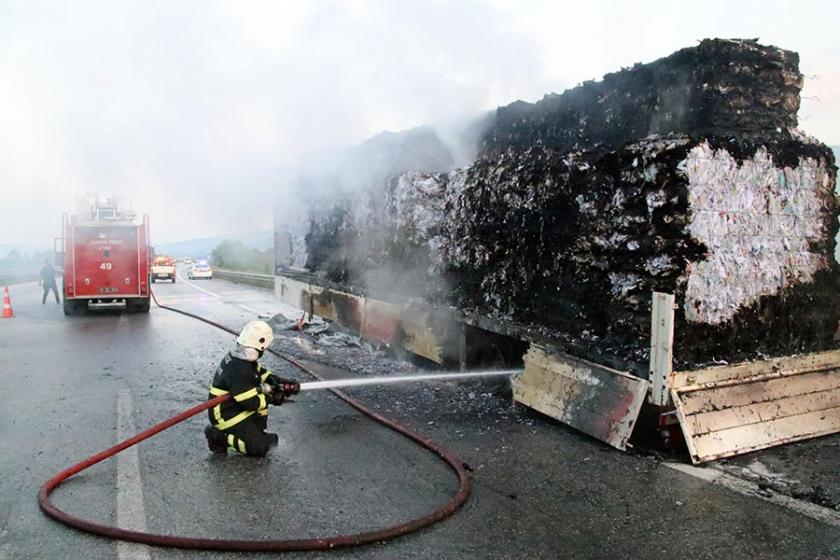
194	110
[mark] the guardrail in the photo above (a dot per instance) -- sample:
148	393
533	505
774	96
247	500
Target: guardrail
9	277
265	281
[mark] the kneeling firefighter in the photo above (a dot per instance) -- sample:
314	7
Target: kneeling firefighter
240	422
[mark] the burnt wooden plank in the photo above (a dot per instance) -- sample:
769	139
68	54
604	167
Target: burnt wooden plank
718	420
742	414
293	292
381	321
743	439
594	399
751	369
341	307
757	390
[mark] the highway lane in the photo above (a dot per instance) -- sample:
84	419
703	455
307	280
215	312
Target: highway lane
540	491
163	363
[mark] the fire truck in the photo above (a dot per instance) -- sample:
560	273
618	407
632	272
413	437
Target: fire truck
105	253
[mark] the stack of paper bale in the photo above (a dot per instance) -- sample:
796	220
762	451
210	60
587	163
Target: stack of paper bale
685	175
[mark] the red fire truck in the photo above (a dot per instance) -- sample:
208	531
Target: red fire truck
106	257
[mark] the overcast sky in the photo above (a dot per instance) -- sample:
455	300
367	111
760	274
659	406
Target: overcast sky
193	108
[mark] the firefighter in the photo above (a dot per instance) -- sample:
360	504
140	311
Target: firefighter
240	423
48	282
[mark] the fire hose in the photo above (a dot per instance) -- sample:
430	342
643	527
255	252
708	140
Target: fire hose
318	543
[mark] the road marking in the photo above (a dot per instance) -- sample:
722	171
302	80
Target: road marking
131	512
217	296
714	475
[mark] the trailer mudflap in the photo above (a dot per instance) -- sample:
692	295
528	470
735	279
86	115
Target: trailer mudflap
595	399
730	410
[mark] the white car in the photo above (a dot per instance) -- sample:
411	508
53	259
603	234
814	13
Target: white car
200	270
187	260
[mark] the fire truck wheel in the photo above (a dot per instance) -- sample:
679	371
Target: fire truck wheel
72	307
141	306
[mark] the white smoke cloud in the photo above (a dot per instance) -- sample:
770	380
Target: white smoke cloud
193	108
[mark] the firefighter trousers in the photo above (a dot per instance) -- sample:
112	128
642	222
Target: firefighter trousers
248	436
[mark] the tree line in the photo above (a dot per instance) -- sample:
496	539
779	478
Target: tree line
232	254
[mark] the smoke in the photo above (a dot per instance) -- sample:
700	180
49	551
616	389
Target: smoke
194	109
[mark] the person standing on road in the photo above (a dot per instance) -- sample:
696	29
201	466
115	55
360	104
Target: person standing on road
48	282
239	423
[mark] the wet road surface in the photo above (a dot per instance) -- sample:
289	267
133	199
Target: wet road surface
73	385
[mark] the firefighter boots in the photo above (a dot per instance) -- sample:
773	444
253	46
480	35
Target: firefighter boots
216	440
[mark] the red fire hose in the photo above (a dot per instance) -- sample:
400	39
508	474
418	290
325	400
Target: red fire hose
322	543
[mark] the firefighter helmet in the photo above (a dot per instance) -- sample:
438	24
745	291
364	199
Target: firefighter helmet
256	334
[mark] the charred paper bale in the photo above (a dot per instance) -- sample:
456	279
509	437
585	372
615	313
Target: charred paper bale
683	175
719	87
574	243
385	240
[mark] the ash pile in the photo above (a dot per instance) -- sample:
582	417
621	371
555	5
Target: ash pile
685	175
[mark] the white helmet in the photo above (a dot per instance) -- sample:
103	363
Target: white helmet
256	334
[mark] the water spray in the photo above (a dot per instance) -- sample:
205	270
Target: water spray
336	383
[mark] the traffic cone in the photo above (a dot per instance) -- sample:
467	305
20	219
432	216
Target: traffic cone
7	304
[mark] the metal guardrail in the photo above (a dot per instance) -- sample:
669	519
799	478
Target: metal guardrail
265	281
9	277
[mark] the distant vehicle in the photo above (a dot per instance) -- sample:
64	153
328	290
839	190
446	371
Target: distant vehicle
187	260
105	251
201	270
163	268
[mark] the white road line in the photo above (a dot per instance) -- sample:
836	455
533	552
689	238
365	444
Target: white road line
217	296
131	512
718	477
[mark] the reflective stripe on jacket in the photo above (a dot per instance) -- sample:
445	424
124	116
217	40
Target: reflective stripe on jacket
242	379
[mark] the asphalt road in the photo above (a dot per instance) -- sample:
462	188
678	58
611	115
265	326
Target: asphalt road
73	386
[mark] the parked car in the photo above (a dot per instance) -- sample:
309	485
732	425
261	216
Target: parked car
200	270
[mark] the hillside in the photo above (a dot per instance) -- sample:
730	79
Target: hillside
202	247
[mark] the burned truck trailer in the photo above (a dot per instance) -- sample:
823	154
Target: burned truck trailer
633	233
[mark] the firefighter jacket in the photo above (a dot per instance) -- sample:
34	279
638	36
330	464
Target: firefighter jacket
243	380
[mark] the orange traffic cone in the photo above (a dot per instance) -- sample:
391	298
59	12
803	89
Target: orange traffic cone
7	304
